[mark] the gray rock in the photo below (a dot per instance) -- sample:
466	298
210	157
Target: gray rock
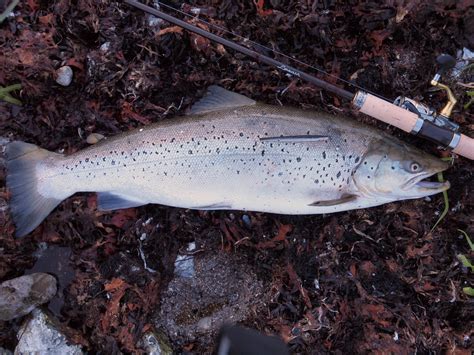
64	75
21	295
41	335
4	351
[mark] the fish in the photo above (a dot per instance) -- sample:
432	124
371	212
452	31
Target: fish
229	153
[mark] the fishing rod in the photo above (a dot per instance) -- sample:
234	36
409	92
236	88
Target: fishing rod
404	113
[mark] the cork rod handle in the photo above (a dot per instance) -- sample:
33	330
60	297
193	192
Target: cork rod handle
387	112
465	147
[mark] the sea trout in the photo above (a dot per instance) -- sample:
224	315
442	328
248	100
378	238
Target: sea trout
230	153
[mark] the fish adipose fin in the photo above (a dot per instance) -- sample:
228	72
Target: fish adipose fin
28	208
107	201
218	98
344	199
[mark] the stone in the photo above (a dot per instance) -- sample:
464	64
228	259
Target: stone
42	335
64	75
19	296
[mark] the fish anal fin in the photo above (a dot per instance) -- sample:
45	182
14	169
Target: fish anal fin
107	201
343	199
218	98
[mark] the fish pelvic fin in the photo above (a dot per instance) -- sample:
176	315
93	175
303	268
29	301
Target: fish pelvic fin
28	207
343	199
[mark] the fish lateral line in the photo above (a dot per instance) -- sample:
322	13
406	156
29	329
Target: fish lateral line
296	139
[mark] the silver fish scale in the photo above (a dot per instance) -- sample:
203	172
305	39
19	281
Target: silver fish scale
225	160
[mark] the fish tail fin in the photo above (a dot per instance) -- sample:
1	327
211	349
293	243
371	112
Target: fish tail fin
27	206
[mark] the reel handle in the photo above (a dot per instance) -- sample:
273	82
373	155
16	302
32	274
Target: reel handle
410	122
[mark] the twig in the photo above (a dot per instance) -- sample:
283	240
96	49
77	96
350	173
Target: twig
8	11
5	94
446	200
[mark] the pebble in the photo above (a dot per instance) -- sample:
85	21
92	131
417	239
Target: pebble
104	47
204	324
94	138
19	296
64	75
247	221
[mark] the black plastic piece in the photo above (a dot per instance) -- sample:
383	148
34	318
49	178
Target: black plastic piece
235	340
436	134
446	62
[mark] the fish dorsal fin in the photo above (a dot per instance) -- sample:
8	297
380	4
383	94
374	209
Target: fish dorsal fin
218	98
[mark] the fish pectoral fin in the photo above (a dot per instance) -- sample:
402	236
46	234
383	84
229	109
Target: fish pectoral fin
343	199
214	206
296	139
107	201
218	98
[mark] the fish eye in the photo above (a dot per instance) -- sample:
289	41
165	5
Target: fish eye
415	167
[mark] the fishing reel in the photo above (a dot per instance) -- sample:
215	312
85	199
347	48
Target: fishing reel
426	113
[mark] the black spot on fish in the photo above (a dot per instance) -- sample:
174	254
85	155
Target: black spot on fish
298	159
357	160
338	174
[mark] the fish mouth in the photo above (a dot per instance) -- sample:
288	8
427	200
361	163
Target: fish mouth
422	184
433	185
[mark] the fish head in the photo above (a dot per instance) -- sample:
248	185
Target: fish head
394	171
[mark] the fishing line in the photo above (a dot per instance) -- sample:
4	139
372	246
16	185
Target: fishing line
245	39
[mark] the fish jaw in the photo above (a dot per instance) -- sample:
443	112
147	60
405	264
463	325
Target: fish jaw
422	187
